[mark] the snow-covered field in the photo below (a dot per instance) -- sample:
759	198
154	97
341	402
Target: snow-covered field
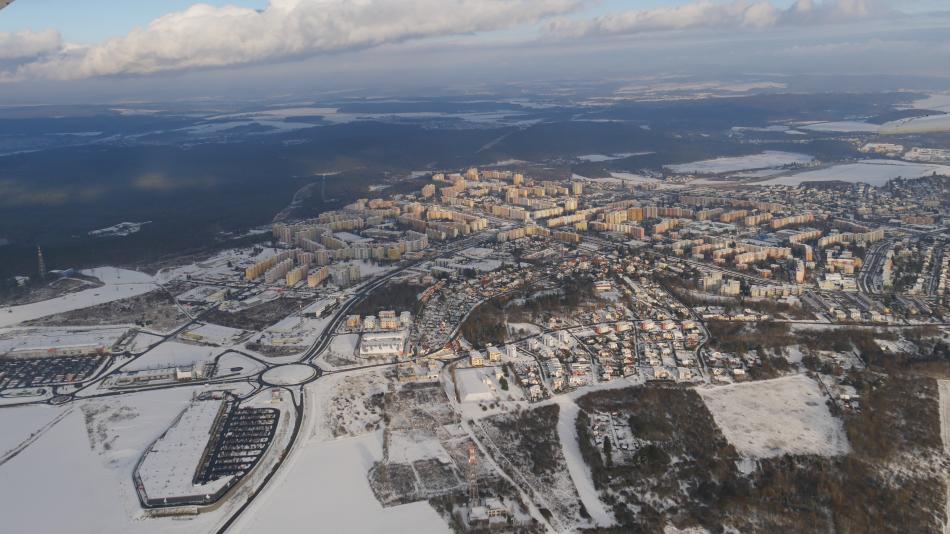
576	466
347	408
876	172
212	334
943	387
233	360
23	423
765	160
523	329
118	284
917	125
598	158
841	127
934	101
632	178
77	477
325	483
327	488
769	418
172	353
913	125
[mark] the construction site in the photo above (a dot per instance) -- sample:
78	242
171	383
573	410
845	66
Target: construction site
428	455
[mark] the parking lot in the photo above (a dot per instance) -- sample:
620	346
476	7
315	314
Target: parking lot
239	443
47	371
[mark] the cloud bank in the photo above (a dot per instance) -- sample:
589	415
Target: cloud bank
208	36
712	15
28	44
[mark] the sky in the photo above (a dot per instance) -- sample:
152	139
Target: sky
118	49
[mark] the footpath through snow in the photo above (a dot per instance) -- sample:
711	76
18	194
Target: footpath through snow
576	466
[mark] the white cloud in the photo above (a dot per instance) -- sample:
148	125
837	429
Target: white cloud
28	44
208	36
713	15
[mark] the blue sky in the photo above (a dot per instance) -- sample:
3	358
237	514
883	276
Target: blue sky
93	20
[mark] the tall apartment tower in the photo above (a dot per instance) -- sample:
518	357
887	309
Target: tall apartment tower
40	263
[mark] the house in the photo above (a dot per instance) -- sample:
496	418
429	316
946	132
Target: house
475	359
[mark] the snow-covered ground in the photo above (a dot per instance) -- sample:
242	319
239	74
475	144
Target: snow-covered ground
24	423
769	418
523	329
118	284
598	158
324	482
917	125
233	360
632	178
143	340
328	488
406	447
576	466
841	127
876	172
934	101
82	469
943	387
765	160
346	407
172	353
212	334
62	338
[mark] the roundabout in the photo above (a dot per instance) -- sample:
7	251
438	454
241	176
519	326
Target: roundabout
293	374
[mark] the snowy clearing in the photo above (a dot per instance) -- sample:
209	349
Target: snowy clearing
173	353
934	101
598	158
576	466
24	423
876	172
943	387
765	160
769	418
841	127
328	486
118	284
620	178
82	468
917	125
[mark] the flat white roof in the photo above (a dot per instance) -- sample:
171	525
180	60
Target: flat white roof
169	466
472	386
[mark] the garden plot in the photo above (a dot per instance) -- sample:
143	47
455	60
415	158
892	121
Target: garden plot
775	417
